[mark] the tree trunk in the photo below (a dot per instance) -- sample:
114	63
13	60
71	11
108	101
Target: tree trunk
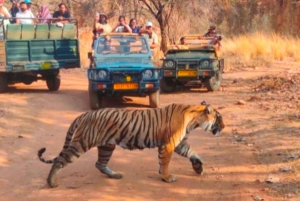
164	39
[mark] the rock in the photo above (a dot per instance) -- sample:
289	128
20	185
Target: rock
272	179
241	102
292	156
286	168
254	98
257	198
237	80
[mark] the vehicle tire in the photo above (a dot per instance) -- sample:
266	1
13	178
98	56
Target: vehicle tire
3	82
214	83
95	99
53	82
154	99
167	85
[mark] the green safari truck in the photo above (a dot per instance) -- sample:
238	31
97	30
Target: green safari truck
32	52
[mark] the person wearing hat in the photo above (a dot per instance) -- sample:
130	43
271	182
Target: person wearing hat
211	32
152	37
100	24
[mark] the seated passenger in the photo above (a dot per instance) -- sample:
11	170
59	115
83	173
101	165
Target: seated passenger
122	26
44	15
212	33
63	15
104	46
25	16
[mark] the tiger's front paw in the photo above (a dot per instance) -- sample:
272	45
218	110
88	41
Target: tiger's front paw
197	165
169	179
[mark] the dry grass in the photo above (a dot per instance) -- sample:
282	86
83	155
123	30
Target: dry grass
251	50
259	49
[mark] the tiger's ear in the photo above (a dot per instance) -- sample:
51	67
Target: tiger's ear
203	103
208	109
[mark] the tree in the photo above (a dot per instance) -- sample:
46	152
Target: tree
161	10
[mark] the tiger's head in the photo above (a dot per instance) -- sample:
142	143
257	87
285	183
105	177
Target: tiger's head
208	118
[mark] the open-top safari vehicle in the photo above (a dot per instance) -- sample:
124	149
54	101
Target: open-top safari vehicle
31	52
121	65
197	61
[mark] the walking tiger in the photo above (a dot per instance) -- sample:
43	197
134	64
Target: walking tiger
166	128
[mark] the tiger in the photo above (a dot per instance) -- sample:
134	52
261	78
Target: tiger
166	128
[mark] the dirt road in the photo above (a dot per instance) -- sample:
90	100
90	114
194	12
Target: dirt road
255	158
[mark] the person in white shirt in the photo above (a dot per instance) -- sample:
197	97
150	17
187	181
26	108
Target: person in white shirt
122	26
153	38
25	16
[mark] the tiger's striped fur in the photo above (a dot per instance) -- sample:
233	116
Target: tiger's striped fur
166	128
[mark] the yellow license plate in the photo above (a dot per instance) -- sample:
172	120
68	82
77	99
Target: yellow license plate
187	73
125	86
46	65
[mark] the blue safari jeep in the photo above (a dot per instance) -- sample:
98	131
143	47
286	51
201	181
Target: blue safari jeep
31	52
121	65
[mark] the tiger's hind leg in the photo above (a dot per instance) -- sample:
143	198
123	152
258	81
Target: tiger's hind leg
67	156
184	149
104	154
164	155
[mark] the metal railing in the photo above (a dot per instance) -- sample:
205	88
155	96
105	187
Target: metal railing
35	21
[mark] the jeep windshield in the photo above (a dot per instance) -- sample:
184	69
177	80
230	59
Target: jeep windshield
121	45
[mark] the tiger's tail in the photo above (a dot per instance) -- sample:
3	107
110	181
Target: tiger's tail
40	153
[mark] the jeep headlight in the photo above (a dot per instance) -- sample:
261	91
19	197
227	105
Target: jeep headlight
102	74
147	74
169	64
204	63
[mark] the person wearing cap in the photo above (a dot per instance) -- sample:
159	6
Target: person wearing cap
62	15
153	38
25	16
122	26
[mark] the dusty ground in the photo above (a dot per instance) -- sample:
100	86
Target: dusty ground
256	157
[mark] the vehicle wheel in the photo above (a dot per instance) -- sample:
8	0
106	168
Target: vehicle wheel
53	82
154	99
95	99
214	83
3	82
167	85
